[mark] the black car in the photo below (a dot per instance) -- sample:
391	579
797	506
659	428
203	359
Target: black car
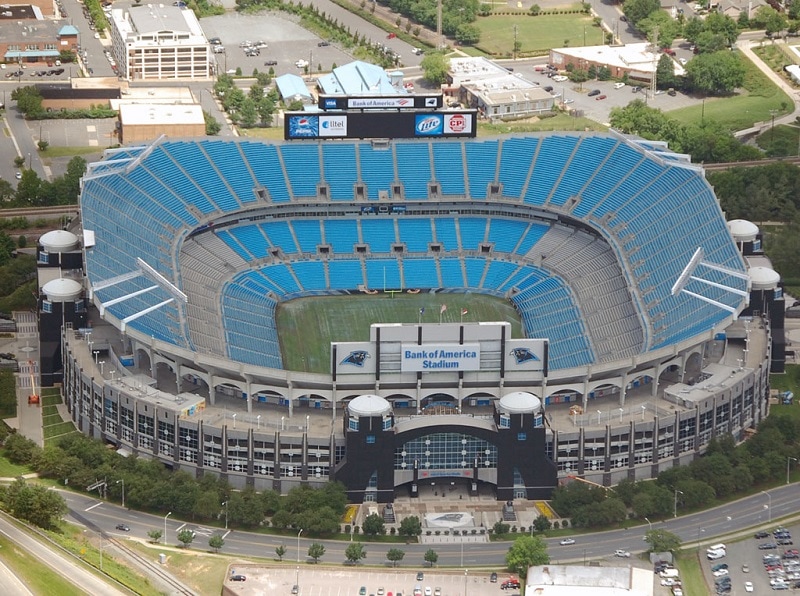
785	542
493	578
594	92
323	43
123	528
238	578
767	546
549	88
420	576
215	41
759	535
271	63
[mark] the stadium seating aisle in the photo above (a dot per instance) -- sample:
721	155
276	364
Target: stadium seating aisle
341	180
265	163
376	169
414	168
481	167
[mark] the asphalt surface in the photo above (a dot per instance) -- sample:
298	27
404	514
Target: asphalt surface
58	562
751	512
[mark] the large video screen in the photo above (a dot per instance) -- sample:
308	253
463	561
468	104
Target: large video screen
380	125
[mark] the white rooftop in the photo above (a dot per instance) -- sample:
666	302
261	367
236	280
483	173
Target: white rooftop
464	70
634	56
578	580
131	114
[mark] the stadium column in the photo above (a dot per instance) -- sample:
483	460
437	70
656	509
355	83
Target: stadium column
248	379
212	390
623	391
585	393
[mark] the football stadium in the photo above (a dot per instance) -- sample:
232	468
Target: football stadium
497	314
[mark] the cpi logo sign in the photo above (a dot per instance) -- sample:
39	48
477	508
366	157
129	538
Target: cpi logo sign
458	124
428	125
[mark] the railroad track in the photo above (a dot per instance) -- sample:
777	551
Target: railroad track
40	212
710	167
153	569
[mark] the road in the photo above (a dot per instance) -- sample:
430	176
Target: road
60	563
741	515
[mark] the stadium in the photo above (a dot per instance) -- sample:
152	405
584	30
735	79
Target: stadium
540	267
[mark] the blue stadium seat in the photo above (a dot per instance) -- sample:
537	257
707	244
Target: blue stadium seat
472	231
266	165
415	233
341	234
414	169
340	177
383	273
377	169
229	159
505	234
378	234
280	235
420	273
302	169
481	164
345	275
515	162
448	162
308	234
452	273
251	238
205	174
446	233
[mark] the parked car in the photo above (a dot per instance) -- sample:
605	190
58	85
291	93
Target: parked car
594	92
323	44
599	97
760	535
622	553
767	546
493	577
619	85
721	572
238	578
748	586
719	566
271	63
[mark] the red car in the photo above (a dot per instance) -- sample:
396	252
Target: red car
669	51
391	36
599	97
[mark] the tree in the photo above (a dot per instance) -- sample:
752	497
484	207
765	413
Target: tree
280	551
468	35
500	528
542	523
185	537
212	124
637	10
435	66
716	74
216	542
665	72
721	23
29	101
154	536
525	552
430	557
34	503
410	526
373	525
316	551
772	21
355	552
42	145
661	541
28	189
395	555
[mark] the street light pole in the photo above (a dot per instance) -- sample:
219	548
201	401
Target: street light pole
769	506
122	480
226	514
165	527
675	505
466	571
788	461
298	544
649	523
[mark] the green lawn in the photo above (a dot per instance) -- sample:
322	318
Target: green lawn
39	578
55	430
559	122
9	470
307	325
73	539
748	106
536	34
691	574
205	573
788	381
69	151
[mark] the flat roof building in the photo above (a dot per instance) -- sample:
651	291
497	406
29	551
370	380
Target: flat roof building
575	580
636	60
157	42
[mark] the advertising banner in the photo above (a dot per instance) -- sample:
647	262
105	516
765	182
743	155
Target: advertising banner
440	357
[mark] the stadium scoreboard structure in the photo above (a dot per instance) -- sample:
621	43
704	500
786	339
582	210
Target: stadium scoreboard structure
380	117
400	353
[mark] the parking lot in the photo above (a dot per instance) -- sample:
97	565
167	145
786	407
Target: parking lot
320	580
745	564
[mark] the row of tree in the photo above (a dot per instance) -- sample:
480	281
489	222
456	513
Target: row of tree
726	469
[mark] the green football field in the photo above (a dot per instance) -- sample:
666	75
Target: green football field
307	326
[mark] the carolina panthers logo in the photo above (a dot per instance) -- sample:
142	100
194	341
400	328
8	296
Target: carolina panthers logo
523	355
356	358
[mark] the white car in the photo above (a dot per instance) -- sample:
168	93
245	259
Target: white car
619	85
622	553
301	63
670	581
560	78
567	541
720	572
682	61
18	175
748	586
428	591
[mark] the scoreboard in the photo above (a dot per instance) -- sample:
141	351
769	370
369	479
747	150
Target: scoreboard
380	124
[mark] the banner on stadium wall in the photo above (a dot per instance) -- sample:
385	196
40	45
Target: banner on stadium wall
380	124
440	357
380	102
353	358
526	355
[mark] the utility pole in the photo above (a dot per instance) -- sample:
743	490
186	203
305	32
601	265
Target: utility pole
655	62
515	42
439	23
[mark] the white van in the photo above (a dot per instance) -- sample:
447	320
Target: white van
713	555
716	547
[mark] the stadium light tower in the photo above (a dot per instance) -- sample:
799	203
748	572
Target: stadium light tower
688	274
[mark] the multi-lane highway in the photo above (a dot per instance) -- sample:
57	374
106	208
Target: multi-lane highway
741	515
